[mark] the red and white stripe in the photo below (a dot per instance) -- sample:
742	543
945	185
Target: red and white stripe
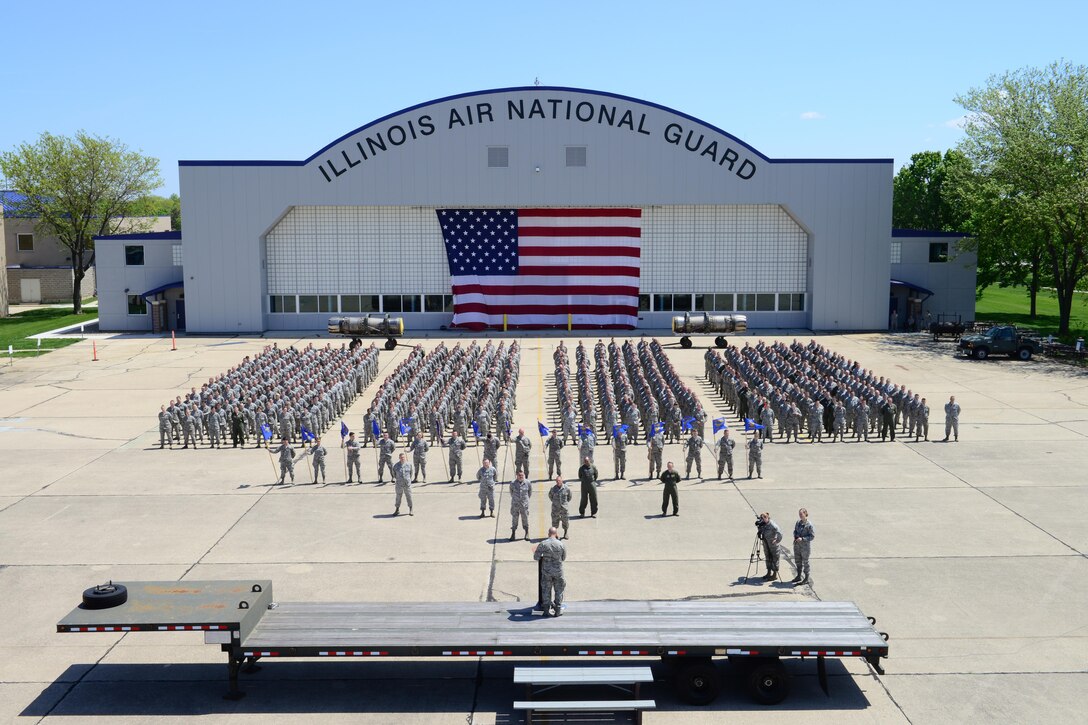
475	653
584	263
613	652
826	652
354	653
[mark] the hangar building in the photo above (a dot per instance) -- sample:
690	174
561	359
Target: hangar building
355	228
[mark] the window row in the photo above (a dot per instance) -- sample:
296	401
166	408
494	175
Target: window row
351	304
498	157
722	302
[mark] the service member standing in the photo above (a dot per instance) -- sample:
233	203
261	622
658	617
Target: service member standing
164	429
587	474
755	457
287	460
694	447
352	447
419	448
670	478
551	553
402	479
921	420
654	447
803	534
725	454
770	535
587	444
491	449
560	496
553	445
520	493
619	456
457	447
951	418
486	477
522	446
386	447
318	452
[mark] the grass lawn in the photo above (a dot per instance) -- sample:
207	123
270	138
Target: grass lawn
14	330
1011	305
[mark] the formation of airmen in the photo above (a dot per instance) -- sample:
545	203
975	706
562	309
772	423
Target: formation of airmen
787	389
277	392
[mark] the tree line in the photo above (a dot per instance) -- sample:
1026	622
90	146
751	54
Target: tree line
1017	182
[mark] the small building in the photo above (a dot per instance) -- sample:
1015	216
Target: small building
140	282
38	267
933	274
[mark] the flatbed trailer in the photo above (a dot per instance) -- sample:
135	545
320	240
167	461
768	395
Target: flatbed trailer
243	618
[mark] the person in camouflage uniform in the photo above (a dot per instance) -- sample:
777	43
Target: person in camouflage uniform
402	479
419	448
287	460
560	496
486	477
551	553
522	447
553	445
457	455
520	493
386	447
318	452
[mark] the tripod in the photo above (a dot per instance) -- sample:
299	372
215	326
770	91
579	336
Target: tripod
754	557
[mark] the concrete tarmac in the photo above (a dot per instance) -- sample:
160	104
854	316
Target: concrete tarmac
971	555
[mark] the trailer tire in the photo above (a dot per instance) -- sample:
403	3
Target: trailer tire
697	683
685	342
390	344
769	683
1024	353
105	596
720	341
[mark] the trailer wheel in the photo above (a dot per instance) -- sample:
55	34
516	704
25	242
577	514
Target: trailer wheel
720	341
769	683
697	683
390	344
685	342
105	596
355	342
1024	353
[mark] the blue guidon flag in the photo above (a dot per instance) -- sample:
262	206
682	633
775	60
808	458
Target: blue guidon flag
537	266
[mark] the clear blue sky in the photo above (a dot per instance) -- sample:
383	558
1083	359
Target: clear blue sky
276	80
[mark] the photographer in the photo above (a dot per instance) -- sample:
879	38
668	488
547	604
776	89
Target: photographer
769	533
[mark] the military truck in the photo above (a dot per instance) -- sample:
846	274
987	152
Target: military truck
1001	340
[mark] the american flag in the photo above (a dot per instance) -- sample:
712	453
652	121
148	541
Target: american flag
537	266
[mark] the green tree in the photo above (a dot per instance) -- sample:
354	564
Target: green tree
924	195
155	205
79	188
1027	140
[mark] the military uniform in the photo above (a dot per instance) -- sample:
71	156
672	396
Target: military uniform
402	479
522	446
770	536
655	446
694	447
755	457
419	448
386	448
670	479
552	553
486	476
352	447
287	461
520	493
560	497
164	429
952	419
585	448
725	455
619	456
457	447
803	534
553	445
491	449
587	475
318	452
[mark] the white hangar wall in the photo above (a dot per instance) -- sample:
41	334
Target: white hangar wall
230	208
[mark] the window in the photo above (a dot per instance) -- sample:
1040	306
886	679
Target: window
327	303
281	304
897	252
791	303
938	252
391	303
349	303
644	303
410	303
704	303
576	155
498	157
438	303
746	303
723	303
681	303
134	255
765	303
662	303
175	253
24	242
137	305
307	303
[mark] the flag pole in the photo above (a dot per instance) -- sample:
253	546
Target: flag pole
275	471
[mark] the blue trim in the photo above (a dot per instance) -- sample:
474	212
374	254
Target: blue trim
519	89
150	236
911	285
163	288
927	233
